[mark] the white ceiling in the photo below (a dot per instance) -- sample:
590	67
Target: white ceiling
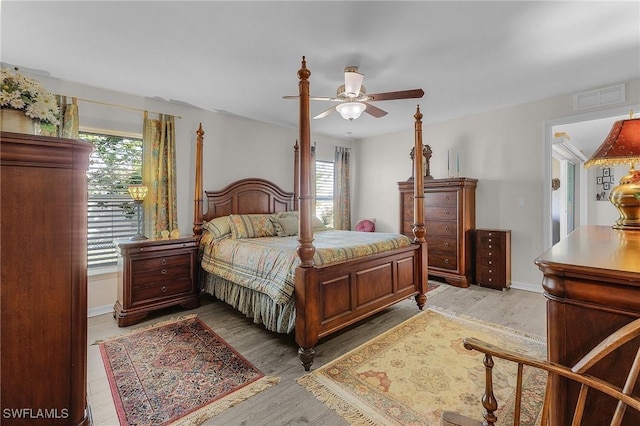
242	57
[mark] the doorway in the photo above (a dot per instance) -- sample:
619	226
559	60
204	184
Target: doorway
585	132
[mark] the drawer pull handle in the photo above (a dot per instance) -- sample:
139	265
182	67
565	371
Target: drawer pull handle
490	271
446	261
490	262
490	280
446	198
490	246
163	262
164	289
163	272
446	228
446	244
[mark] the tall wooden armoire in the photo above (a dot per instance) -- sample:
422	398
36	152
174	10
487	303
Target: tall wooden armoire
43	288
450	222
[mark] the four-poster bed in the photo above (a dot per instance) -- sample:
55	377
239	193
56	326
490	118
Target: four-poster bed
330	289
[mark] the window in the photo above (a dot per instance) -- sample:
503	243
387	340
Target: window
324	191
114	164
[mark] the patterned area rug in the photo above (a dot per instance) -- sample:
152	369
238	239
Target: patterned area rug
177	372
417	370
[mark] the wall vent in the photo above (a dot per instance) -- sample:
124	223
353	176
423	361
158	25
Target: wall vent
599	97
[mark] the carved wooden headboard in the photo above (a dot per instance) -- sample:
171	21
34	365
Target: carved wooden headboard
245	196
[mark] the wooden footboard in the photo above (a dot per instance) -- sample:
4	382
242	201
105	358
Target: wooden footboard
332	297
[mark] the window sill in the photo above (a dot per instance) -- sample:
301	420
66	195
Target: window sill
102	272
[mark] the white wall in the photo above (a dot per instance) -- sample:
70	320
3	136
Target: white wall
503	149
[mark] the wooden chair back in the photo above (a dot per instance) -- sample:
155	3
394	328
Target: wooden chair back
577	373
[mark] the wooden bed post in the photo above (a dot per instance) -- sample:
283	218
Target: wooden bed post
296	175
306	249
418	187
197	208
418	211
306	286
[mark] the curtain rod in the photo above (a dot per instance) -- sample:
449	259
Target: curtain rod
123	107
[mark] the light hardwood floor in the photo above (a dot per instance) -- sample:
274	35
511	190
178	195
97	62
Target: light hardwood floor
276	355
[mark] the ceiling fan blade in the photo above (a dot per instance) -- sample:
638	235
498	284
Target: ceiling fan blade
313	98
402	94
374	110
352	82
324	113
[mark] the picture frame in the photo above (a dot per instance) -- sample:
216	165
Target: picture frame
605	186
605	172
599	180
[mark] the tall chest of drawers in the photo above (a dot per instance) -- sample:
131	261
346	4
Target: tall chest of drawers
154	274
450	220
493	258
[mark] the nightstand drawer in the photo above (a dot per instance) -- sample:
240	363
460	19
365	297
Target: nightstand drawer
157	263
160	290
144	277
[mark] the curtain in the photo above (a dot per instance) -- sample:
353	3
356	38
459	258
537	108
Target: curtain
341	190
69	126
159	174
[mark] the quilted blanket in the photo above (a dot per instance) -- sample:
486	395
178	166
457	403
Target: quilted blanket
268	264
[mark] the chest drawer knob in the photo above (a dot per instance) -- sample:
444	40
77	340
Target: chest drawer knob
490	246
446	244
163	262
490	262
164	289
163	272
446	261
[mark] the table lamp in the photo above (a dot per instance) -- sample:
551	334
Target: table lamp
138	192
622	146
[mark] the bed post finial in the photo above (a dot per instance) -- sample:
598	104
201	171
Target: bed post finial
197	208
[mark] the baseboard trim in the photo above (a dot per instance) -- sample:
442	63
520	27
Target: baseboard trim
100	310
527	287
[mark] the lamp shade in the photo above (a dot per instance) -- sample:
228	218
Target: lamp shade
137	192
351	110
622	146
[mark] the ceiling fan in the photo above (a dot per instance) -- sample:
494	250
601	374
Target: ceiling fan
352	97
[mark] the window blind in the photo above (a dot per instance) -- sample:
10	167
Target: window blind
114	164
324	191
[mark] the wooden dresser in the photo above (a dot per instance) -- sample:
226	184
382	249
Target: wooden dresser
592	285
450	221
154	274
493	258
44	280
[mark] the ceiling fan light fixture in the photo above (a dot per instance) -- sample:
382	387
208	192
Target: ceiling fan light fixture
351	110
352	82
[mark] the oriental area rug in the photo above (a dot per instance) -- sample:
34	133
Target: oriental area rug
415	371
177	372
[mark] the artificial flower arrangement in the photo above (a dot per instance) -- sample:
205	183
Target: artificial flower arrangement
24	94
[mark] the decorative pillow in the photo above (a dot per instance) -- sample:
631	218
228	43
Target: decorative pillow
251	226
318	225
286	223
218	227
366	225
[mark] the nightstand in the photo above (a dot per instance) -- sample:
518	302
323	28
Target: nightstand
155	274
